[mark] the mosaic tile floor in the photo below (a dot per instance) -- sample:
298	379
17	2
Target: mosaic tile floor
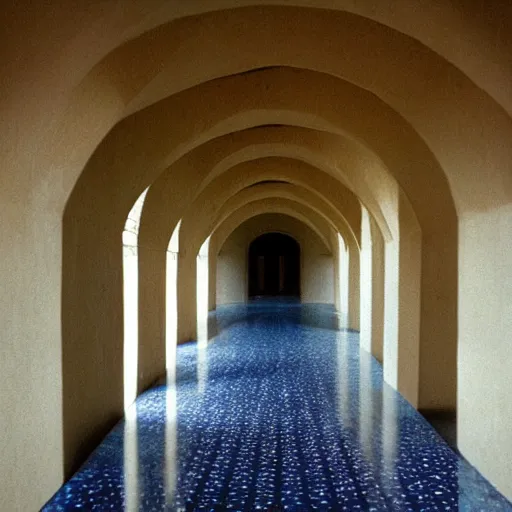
279	412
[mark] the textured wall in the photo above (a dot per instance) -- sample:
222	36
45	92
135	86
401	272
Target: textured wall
316	261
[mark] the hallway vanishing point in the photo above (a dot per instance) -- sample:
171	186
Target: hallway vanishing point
280	411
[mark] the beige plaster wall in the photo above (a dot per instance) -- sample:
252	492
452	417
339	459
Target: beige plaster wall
336	257
212	279
316	260
232	273
372	292
354	289
378	298
30	351
318	280
484	355
409	347
303	214
469	38
402	326
366	278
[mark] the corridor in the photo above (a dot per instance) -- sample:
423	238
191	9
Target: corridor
280	411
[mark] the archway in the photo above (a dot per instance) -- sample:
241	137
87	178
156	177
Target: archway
274	266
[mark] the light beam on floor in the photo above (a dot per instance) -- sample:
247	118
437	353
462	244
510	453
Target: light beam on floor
131	461
171	443
202	315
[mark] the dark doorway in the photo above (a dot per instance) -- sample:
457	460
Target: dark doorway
274	266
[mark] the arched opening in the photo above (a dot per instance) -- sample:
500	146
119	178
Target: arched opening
131	300
274	266
171	300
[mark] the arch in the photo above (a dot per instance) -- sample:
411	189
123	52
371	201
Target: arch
296	212
392	45
301	212
338	157
130	300
194	233
175	189
150	46
249	179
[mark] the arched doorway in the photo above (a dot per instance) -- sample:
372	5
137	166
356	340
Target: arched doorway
274	266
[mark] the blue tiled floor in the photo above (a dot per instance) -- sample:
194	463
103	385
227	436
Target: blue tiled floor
280	412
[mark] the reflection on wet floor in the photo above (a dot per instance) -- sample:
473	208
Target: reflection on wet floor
279	411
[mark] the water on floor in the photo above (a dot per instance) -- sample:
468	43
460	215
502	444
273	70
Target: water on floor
279	412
